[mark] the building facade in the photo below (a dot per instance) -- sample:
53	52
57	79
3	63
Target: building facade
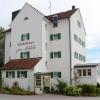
40	49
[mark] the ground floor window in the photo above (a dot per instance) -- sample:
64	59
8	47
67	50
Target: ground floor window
84	72
56	75
10	74
21	74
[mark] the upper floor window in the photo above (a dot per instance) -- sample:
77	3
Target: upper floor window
55	36
25	37
76	55
55	74
55	20
55	54
26	18
25	54
78	40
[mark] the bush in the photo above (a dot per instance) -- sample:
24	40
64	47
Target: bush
60	86
88	90
47	89
72	91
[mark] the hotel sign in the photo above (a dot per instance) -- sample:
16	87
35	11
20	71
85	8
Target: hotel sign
25	46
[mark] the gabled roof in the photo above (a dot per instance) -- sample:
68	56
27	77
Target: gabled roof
21	64
62	15
8	30
14	14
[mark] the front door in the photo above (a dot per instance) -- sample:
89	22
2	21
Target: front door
38	84
42	83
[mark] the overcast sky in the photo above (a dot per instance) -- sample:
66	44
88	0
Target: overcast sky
89	11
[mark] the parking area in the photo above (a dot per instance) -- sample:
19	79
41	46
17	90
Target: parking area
45	97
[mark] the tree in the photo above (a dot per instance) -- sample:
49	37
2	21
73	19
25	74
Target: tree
2	39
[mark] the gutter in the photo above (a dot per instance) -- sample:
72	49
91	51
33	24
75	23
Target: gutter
70	51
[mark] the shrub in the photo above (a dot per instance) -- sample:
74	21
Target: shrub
88	90
47	89
60	86
98	85
72	91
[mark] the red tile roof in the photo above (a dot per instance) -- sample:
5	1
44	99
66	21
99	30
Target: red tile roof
62	15
21	64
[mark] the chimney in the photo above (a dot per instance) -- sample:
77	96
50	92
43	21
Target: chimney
73	7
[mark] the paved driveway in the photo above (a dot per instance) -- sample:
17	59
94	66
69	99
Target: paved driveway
45	97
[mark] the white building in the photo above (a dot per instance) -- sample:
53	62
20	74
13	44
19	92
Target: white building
88	73
40	49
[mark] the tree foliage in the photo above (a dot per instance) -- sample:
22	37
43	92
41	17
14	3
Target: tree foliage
1	46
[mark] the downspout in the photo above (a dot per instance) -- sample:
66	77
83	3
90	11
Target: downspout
70	51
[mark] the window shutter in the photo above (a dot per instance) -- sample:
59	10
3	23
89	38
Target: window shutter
21	55
6	74
22	37
25	72
51	37
28	36
28	54
18	74
13	74
59	74
59	35
59	54
51	74
51	55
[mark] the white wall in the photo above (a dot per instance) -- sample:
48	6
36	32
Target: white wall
89	79
7	46
33	26
25	83
80	32
60	64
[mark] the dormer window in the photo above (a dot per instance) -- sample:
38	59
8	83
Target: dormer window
55	20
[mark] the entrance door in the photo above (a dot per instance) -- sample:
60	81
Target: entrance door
38	84
42	83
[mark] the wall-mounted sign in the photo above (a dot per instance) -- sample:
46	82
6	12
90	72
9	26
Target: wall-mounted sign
25	46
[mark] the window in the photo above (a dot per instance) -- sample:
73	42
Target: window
84	58
38	80
84	72
25	37
76	55
75	37
78	40
55	20
55	36
55	54
26	18
79	71
80	57
89	72
10	74
56	75
21	74
25	54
